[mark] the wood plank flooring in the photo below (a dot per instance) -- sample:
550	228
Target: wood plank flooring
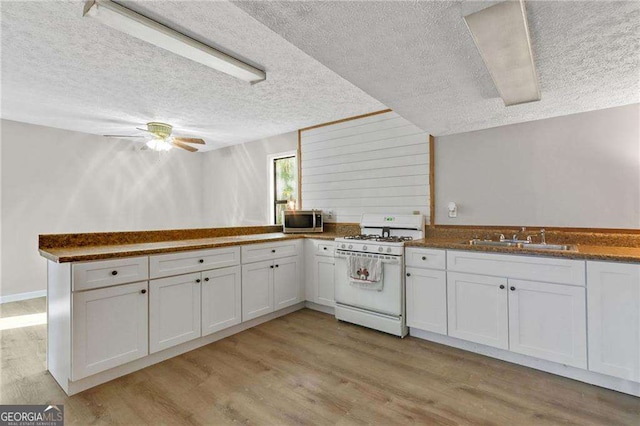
307	368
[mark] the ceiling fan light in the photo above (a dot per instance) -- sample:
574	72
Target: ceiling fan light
159	145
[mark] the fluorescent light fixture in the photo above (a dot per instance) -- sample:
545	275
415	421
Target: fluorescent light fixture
501	34
139	26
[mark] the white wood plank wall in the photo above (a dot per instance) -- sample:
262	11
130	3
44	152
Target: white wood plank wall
375	164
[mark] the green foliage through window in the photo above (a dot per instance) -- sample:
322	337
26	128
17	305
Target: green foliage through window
285	182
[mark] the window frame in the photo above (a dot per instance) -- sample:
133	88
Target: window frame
271	169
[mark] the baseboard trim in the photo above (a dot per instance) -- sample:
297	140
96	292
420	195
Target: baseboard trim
72	388
320	308
597	379
22	296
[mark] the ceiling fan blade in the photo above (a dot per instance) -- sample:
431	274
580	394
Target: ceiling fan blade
190	140
183	146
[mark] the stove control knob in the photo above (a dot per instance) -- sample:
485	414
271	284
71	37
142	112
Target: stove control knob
350	246
389	250
342	246
364	247
380	249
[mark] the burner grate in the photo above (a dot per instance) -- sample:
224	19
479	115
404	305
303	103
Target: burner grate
379	238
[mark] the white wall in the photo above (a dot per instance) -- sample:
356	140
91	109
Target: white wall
236	181
376	164
580	170
57	181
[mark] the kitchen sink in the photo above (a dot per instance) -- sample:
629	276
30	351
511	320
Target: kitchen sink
521	245
561	247
493	243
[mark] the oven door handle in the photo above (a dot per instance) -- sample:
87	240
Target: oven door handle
313	225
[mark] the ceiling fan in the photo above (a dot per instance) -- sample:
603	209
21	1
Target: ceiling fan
159	138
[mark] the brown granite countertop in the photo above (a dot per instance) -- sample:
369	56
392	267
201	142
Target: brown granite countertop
109	251
585	252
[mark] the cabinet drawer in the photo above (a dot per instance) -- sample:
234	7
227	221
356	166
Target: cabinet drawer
104	273
193	261
534	268
326	249
260	252
426	258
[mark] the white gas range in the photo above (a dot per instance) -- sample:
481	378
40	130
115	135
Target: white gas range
380	304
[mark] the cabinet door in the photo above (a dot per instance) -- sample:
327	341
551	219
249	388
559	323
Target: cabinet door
257	289
427	299
613	299
109	328
221	299
324	280
286	282
477	309
548	321
174	311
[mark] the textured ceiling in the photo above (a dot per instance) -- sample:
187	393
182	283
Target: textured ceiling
62	70
418	57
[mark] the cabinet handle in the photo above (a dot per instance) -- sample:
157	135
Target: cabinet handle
408	274
512	288
201	260
143	291
273	251
198	280
501	287
271	266
277	266
114	272
206	279
424	257
324	248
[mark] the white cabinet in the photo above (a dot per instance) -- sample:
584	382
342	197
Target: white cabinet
165	265
104	273
257	289
548	321
268	251
427	299
269	286
286	282
324	280
274	283
109	328
613	297
319	269
426	258
174	311
478	309
535	268
221	299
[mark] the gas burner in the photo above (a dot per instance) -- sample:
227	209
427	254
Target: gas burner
362	237
393	239
378	238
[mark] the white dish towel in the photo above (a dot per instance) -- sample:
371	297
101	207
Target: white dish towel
365	272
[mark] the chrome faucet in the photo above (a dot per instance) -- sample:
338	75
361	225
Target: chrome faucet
522	231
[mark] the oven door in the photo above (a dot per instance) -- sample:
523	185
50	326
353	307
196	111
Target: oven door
388	301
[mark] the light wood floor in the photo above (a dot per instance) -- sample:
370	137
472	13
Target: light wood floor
307	368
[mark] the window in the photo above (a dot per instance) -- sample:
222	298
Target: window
284	186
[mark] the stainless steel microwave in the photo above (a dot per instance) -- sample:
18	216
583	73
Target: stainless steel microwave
301	221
